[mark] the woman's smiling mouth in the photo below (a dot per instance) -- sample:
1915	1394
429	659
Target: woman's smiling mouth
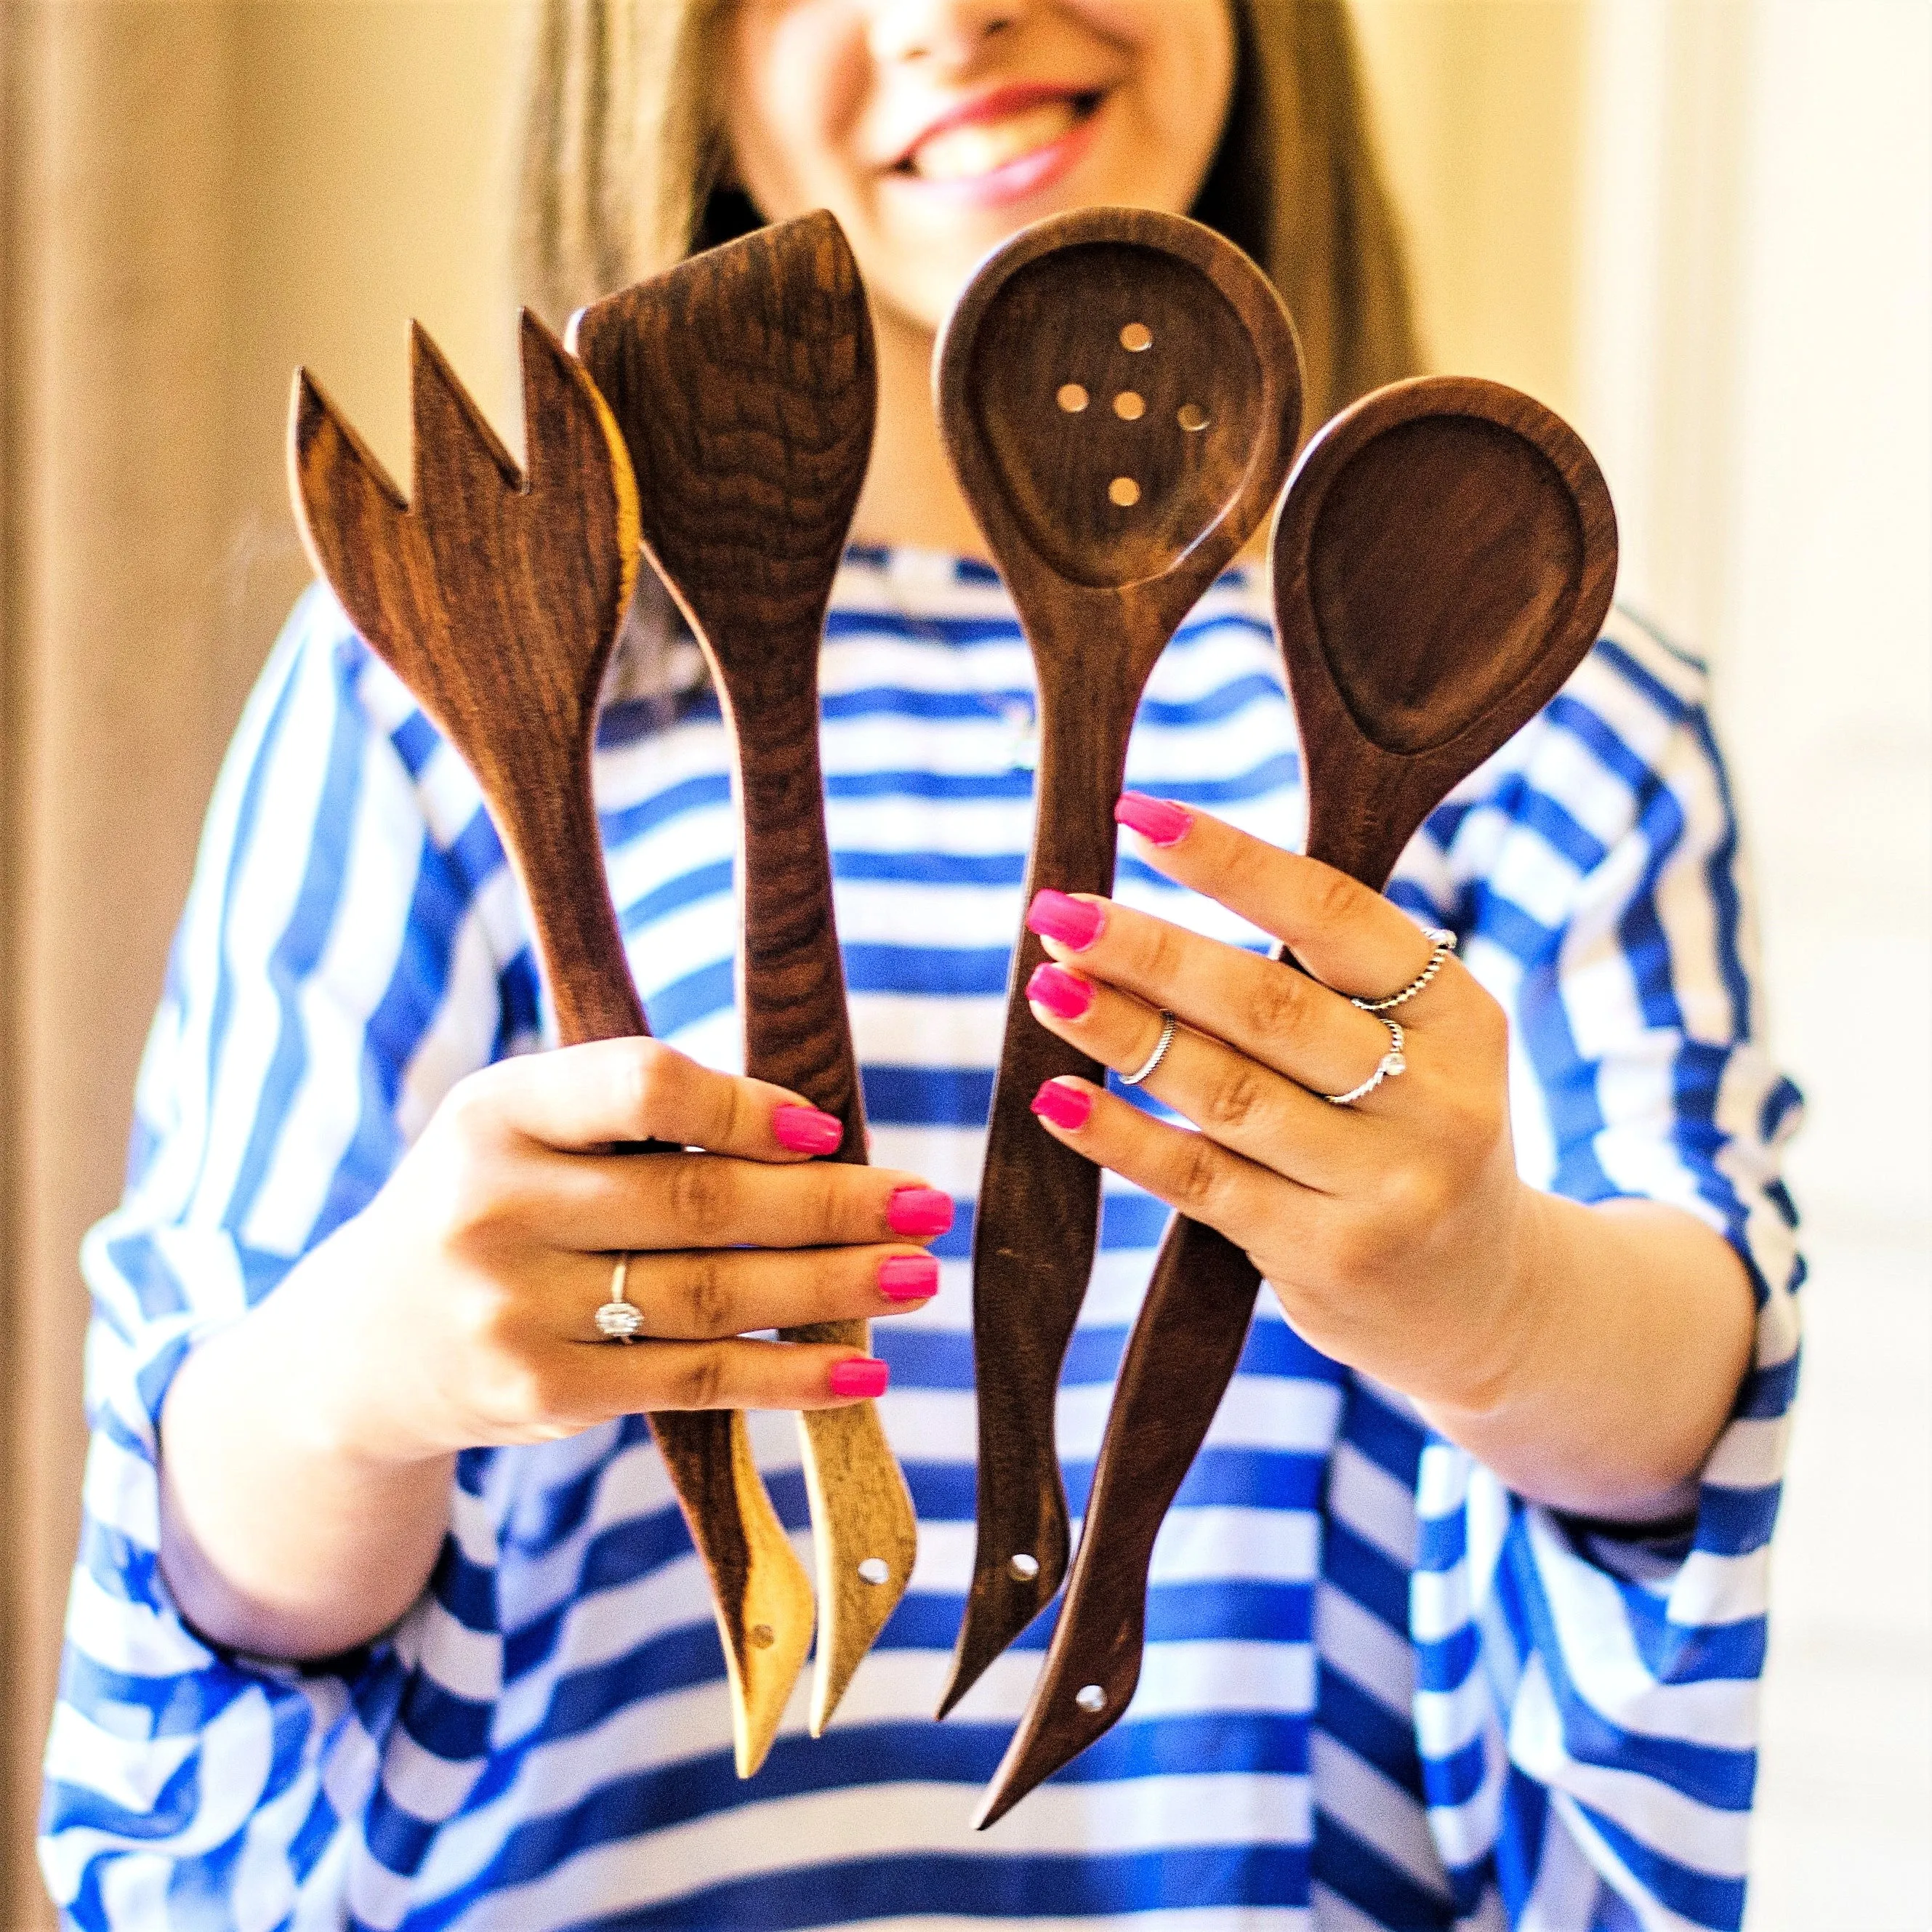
1004	146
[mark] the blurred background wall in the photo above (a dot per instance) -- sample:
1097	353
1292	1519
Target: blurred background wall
1700	228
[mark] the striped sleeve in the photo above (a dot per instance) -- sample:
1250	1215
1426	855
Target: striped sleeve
1587	1707
339	964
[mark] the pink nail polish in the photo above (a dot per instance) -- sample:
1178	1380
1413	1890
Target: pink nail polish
805	1130
909	1278
1157	820
1059	992
919	1212
858	1375
1074	923
1066	1107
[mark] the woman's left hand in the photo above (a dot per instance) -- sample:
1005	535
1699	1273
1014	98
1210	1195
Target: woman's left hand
1395	1230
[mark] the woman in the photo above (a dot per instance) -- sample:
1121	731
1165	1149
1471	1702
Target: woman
385	1615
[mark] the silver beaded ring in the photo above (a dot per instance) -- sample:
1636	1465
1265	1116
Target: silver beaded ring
1391	1063
618	1320
1444	943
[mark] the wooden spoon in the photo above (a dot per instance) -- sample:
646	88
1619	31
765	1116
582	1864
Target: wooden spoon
1120	393
497	600
1443	561
744	383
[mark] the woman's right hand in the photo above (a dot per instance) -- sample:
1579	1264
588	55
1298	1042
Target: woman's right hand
459	1307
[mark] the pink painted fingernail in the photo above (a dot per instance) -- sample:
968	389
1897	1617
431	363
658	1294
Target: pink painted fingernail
919	1212
1059	992
805	1130
909	1278
1074	923
1066	1107
1158	820
858	1375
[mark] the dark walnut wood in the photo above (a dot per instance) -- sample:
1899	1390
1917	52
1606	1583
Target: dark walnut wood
744	383
1443	560
497	599
1120	393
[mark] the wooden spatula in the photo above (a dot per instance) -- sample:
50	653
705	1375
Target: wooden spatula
1443	561
744	383
1120	393
497	599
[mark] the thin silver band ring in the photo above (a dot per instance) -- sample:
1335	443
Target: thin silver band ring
1146	1066
618	1320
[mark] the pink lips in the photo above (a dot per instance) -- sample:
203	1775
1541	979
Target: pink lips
1026	174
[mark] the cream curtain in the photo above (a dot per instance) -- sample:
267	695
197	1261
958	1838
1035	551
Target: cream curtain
116	191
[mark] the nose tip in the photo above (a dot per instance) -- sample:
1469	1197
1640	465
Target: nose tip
943	31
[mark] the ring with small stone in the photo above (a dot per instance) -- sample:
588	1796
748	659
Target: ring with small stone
618	1320
1391	1063
1145	1070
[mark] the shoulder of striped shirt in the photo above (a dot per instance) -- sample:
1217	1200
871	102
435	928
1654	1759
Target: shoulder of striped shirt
1635	680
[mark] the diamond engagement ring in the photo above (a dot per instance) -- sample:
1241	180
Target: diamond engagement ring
1391	1063
618	1320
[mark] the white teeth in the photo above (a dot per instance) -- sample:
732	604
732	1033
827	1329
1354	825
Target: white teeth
978	148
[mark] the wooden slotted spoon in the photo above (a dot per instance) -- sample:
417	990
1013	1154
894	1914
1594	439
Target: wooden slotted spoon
744	383
1119	392
1443	561
497	600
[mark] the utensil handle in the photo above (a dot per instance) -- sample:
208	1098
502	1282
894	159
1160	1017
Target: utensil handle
1038	1214
1182	1355
798	1034
760	1592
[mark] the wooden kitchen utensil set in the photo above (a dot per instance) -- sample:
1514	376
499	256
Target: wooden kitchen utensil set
1121	395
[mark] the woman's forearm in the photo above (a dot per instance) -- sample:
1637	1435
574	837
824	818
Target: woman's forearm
277	1536
1635	1331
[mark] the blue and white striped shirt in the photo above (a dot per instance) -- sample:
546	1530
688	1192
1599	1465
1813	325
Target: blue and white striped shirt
1381	1691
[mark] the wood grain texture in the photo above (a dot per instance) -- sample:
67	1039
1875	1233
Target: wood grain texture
1120	393
1443	560
744	383
497	600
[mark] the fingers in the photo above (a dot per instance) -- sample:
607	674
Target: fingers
663	1203
1191	1172
581	1387
712	1294
607	1090
1268	1011
1248	1108
1349	937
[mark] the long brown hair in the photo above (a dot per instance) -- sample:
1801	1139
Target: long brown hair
623	158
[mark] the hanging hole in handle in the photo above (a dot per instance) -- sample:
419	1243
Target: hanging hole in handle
1090	1698
762	1636
1124	491
1023	1568
1136	337
875	1570
1071	397
1191	417
1129	406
